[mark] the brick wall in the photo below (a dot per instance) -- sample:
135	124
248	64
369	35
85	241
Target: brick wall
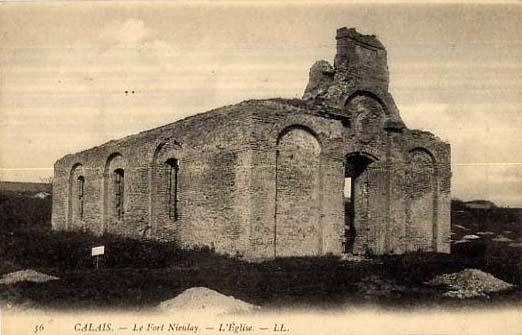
210	183
264	172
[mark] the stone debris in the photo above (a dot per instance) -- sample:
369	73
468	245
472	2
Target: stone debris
202	299
481	233
461	241
469	283
353	258
459	226
470	237
42	195
25	275
502	238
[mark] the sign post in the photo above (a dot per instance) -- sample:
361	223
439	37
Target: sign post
97	252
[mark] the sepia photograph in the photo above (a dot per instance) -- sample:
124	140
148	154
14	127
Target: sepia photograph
260	167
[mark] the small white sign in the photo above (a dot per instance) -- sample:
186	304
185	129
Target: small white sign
97	251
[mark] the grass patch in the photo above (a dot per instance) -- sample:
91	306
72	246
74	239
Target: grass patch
138	274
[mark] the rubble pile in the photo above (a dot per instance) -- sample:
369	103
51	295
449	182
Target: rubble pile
470	283
27	276
206	300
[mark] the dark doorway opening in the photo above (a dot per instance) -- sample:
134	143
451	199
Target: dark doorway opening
355	194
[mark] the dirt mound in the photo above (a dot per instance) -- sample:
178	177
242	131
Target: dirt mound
25	275
461	241
459	226
485	233
41	195
204	299
502	238
470	283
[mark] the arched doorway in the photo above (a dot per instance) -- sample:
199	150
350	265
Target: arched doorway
356	201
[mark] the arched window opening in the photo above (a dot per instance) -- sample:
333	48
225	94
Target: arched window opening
173	168
75	196
81	187
119	191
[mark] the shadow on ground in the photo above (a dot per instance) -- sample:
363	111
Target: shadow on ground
137	274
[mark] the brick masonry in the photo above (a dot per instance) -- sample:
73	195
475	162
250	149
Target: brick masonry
265	178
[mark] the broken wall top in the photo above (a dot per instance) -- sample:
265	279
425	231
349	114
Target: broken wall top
360	67
362	57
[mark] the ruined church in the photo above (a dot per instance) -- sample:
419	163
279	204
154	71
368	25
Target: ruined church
335	172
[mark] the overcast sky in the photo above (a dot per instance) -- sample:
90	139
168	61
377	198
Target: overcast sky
455	70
